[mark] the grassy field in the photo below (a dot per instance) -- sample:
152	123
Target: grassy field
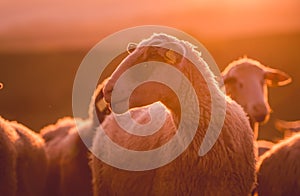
38	85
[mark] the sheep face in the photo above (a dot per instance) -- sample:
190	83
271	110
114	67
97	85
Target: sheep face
247	81
146	92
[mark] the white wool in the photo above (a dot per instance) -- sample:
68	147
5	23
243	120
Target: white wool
227	169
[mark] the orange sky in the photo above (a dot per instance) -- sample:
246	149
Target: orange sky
52	23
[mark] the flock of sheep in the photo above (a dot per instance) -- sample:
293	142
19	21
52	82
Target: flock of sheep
56	161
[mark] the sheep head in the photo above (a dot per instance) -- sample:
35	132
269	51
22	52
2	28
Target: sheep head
149	54
246	81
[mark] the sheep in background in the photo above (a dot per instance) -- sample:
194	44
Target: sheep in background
69	172
279	169
227	169
23	164
246	82
289	128
8	159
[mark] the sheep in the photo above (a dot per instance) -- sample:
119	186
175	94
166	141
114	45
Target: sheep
23	160
227	169
126	140
289	128
8	159
279	169
246	81
69	172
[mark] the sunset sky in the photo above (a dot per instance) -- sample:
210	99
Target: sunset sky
34	24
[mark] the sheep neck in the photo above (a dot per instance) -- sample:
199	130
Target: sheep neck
202	83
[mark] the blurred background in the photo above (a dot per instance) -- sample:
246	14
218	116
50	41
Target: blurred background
42	43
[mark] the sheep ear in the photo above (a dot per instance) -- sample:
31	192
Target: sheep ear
131	47
275	77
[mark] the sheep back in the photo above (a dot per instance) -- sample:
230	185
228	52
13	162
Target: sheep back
29	162
279	169
69	173
227	169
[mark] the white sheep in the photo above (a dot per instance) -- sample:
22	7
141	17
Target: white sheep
227	169
69	172
279	169
246	81
23	163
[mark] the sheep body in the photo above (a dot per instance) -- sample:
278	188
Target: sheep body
66	144
200	173
23	161
8	159
227	169
279	169
69	173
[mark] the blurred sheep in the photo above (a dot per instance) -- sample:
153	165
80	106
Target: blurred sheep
23	162
69	172
246	81
279	169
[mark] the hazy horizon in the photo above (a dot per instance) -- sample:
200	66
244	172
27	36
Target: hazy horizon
33	24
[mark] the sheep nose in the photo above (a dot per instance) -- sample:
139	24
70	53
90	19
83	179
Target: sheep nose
260	112
260	108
